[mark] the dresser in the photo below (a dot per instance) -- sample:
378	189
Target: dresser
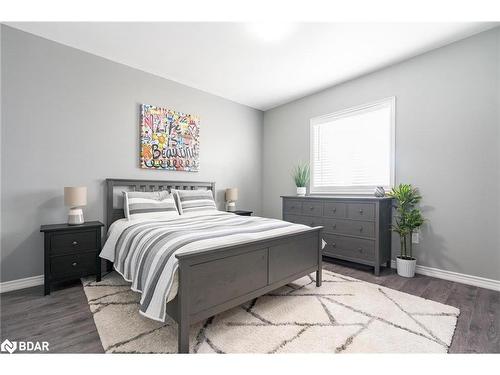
71	251
356	229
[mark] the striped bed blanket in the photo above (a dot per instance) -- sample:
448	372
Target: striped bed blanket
143	250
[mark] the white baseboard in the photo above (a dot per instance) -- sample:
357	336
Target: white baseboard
481	282
28	282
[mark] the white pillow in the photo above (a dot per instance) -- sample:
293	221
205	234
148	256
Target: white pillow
149	205
194	200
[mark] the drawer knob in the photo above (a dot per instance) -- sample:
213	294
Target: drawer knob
334	226
74	264
334	244
360	249
334	209
360	229
361	211
74	243
311	208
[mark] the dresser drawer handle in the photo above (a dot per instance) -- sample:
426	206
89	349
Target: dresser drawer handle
334	244
360	229
361	211
74	243
311	208
360	249
74	264
334	209
334	226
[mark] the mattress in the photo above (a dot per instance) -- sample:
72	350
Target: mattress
143	250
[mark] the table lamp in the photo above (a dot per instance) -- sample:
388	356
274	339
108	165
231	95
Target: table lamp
75	197
231	198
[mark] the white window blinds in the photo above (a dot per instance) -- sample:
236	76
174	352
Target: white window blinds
353	151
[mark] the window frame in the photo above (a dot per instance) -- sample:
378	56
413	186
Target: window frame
349	190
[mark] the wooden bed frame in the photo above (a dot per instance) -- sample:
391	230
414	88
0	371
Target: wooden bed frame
215	280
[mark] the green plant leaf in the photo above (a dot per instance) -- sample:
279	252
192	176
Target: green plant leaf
301	174
408	217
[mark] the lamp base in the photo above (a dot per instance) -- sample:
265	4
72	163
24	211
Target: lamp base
231	206
75	216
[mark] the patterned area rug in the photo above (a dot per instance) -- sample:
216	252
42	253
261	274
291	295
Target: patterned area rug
344	315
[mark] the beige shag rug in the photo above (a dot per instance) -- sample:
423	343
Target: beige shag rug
344	315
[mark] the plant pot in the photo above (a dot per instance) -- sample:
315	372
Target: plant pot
301	191
406	267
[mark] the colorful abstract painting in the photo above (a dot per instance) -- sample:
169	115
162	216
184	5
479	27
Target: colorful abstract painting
169	139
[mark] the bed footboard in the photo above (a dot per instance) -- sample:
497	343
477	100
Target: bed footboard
215	280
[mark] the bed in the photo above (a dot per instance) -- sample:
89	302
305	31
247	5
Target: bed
208	275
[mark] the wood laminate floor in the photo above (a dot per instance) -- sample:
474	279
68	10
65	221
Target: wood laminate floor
64	319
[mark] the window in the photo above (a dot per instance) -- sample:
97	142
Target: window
352	151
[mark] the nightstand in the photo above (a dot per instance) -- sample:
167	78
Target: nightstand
71	251
242	212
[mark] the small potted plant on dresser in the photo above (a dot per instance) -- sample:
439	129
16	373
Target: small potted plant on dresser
301	174
408	219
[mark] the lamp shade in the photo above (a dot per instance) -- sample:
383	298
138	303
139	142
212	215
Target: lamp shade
75	196
232	194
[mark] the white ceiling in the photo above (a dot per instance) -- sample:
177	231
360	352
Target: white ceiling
260	65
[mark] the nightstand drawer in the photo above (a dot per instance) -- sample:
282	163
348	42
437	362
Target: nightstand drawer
74	265
68	242
70	251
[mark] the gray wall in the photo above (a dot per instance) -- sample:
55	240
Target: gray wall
71	118
447	144
1	155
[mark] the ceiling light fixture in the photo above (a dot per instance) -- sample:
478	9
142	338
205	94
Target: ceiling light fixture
270	32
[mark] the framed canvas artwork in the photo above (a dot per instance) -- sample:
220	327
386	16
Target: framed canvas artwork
170	140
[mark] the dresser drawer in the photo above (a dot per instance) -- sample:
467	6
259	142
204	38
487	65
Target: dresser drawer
306	220
312	208
292	206
291	218
69	242
361	211
349	247
334	209
73	265
350	227
311	221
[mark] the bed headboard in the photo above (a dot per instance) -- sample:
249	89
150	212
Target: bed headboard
116	186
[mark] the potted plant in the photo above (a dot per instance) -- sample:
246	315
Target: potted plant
407	220
301	174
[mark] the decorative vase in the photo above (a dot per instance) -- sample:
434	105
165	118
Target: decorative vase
301	191
379	192
406	267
